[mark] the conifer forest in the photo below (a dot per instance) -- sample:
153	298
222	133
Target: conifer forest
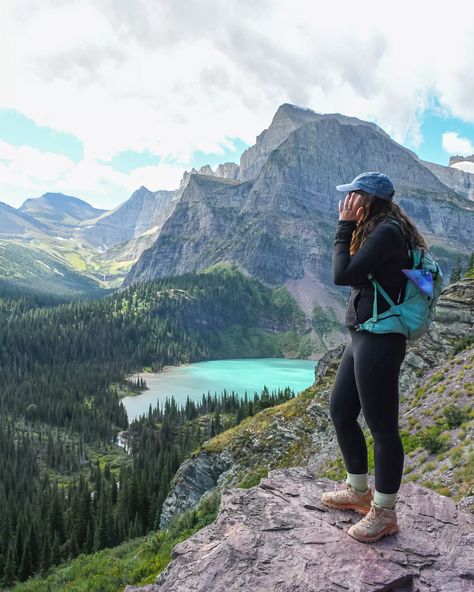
66	486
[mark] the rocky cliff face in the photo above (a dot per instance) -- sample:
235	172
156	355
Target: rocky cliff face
278	536
279	227
144	211
287	119
194	478
461	181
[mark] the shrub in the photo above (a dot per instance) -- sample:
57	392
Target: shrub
454	416
431	441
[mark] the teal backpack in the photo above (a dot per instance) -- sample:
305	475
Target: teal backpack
413	316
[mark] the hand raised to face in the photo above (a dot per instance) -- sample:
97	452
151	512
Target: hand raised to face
351	209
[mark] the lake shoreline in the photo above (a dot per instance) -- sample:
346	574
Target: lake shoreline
213	377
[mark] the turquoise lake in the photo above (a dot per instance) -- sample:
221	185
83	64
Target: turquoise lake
215	376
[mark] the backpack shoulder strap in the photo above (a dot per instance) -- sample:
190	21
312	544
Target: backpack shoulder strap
396	223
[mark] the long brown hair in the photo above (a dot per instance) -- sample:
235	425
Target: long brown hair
377	210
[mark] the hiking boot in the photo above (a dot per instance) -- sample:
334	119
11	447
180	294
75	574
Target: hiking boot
379	522
348	498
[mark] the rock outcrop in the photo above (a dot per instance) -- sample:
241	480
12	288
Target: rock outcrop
277	536
453	319
194	478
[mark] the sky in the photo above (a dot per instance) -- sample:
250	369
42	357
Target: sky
100	97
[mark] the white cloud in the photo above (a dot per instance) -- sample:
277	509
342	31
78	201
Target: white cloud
150	75
453	143
28	172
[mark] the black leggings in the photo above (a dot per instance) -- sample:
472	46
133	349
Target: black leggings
367	378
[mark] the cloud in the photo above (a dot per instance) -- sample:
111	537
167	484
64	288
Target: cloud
28	172
150	76
454	144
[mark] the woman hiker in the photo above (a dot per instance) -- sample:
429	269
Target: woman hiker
367	377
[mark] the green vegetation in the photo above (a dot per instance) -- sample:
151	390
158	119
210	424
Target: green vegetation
65	489
135	562
432	441
24	265
454	416
324	320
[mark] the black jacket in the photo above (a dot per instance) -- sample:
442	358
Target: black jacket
383	254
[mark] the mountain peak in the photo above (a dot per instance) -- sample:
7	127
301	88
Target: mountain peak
58	208
294	111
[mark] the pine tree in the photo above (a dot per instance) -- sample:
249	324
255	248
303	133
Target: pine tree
26	567
45	561
10	570
456	271
55	557
470	265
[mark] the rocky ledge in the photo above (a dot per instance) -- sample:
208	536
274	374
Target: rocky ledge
277	536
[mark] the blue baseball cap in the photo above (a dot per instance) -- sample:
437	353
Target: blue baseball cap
376	184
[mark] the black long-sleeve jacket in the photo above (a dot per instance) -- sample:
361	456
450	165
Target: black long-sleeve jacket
383	254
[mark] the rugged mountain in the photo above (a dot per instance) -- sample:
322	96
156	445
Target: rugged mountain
287	119
144	211
14	223
279	226
60	213
228	170
457	159
461	181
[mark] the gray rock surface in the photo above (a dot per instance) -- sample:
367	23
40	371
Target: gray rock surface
461	181
142	211
457	158
286	119
228	170
277	536
195	476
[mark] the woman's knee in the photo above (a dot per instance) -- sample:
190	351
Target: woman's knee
388	438
341	413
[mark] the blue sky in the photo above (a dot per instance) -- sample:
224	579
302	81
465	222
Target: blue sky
100	98
20	131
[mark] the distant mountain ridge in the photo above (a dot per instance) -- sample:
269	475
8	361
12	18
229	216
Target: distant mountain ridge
57	208
273	214
16	223
143	210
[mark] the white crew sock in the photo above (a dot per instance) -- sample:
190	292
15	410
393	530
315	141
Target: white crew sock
385	500
359	482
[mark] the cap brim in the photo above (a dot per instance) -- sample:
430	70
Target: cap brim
347	187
